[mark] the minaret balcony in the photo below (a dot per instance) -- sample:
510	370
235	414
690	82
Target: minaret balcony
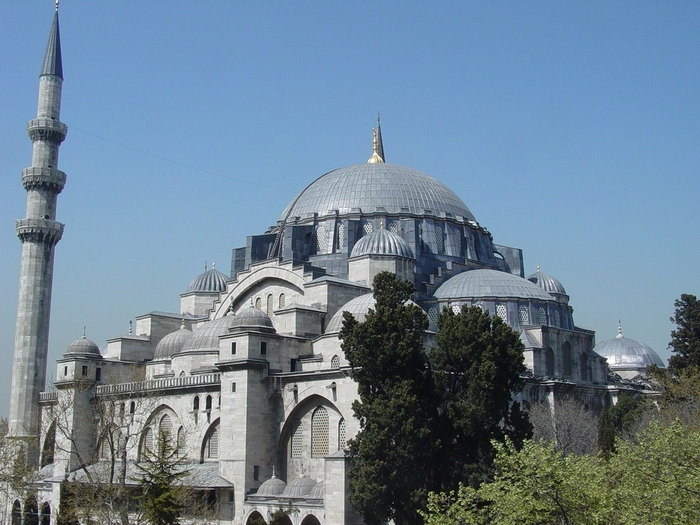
42	231
43	177
47	129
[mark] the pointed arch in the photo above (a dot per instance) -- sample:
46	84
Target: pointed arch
45	518
16	513
210	444
48	449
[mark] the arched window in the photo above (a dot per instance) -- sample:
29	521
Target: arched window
566	357
269	306
281	301
335	362
367	228
47	451
132	407
439	239
584	367
258	303
207	403
297	438
524	314
195	403
16	513
541	316
502	312
549	362
557	319
342	434
181	442
45	514
457	308
166	426
433	315
319	433
340	236
212	449
321	238
147	440
31	512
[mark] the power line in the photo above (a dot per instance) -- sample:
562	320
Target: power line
194	168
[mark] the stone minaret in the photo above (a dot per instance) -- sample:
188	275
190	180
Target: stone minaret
39	233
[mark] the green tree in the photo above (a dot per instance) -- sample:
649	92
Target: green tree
389	457
617	421
476	368
163	498
685	339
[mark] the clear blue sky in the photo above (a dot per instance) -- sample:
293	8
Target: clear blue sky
570	129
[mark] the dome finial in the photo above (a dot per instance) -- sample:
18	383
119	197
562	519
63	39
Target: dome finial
376	158
182	326
213	265
131	327
205	266
56	5
83	326
538	267
619	330
273	473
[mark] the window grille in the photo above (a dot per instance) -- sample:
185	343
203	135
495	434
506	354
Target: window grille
439	239
297	438
541	316
282	302
524	314
181	442
166	426
342	434
321	238
502	312
269	305
335	362
433	315
340	238
394	227
148	440
457	308
557	319
319	433
258	303
367	228
213	448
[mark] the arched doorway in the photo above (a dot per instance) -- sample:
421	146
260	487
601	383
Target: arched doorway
31	512
255	519
310	520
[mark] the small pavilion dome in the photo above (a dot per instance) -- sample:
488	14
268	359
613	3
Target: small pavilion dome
83	346
624	353
548	283
358	307
480	284
252	317
316	491
172	343
206	337
273	487
298	488
382	242
209	281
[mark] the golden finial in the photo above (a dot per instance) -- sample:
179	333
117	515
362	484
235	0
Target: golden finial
381	223
375	158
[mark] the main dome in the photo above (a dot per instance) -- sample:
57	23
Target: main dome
369	187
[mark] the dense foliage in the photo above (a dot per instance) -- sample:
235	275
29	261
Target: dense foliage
426	419
685	339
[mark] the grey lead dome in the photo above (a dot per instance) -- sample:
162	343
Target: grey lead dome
624	353
210	281
382	242
490	284
367	187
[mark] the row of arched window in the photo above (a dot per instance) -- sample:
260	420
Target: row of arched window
567	363
269	306
31	515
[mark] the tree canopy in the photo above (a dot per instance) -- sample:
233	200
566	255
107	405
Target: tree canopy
426	418
685	339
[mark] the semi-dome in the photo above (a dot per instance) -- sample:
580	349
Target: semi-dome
252	317
206	337
369	187
209	281
624	353
83	346
298	488
490	284
382	242
358	307
548	283
172	344
316	491
272	487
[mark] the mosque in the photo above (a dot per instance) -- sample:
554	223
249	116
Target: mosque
248	379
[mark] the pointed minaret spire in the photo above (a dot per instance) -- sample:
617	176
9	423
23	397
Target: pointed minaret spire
52	58
380	144
39	232
375	158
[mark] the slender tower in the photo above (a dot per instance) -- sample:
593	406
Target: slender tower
39	233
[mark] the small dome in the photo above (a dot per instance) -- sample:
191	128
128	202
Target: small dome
83	346
316	491
548	283
298	488
272	487
382	242
358	307
623	353
479	284
172	344
252	317
206	337
210	281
